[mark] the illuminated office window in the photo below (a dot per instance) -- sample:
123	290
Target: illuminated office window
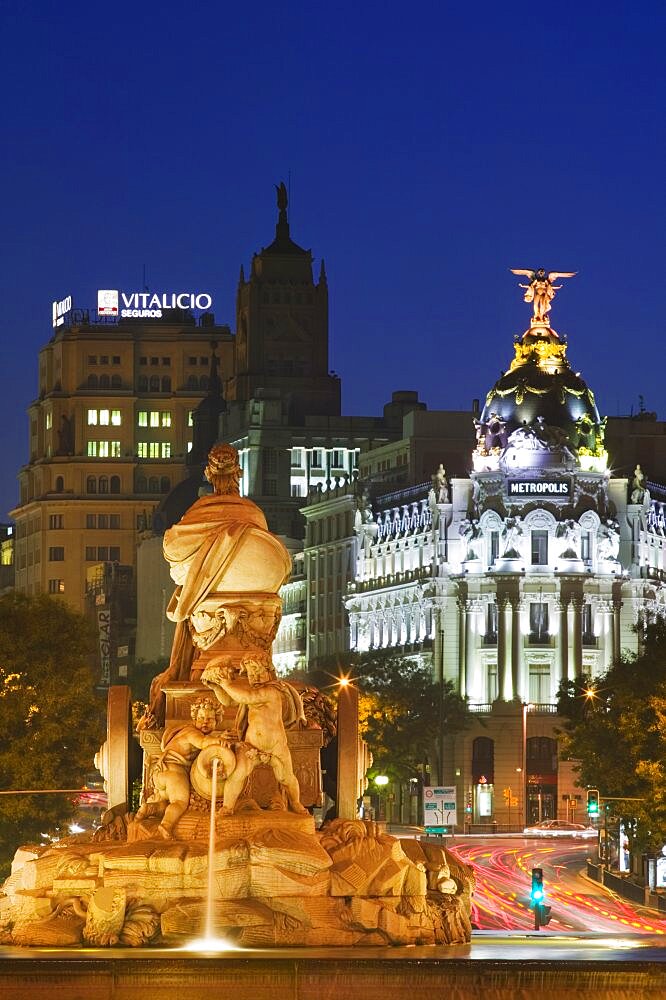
142	449
92	417
166	418
166	449
116	419
92	449
104	417
142	418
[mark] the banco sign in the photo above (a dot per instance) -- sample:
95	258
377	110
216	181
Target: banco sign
147	305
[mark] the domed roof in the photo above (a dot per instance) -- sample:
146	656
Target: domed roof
540	412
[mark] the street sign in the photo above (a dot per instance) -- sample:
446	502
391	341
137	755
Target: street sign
439	806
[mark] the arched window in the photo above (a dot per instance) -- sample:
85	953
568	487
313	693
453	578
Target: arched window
166	383
116	382
192	382
104	381
203	382
59	484
483	760
91	485
165	484
154	383
92	382
153	485
143	383
141	485
103	484
115	484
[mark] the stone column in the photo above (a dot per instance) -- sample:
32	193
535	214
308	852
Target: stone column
563	659
502	602
577	602
617	631
516	642
463	615
348	752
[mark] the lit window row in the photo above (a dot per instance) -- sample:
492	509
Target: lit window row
104	418
154	449
103	449
154	418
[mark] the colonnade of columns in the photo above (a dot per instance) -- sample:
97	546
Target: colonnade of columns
511	680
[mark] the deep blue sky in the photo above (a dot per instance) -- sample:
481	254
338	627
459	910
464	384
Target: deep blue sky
431	147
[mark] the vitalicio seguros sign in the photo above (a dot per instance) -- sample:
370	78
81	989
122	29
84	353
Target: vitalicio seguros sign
147	305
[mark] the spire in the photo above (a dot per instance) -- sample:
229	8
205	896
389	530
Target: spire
322	272
241	276
214	382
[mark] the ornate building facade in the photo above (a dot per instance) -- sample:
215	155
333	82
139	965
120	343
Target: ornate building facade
536	569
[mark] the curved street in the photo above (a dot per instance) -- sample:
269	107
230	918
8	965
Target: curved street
503	881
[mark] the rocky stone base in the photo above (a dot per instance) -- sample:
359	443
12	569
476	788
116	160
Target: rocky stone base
277	882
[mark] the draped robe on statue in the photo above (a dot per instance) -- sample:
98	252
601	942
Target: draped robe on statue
221	548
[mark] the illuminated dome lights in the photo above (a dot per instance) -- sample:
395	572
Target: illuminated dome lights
540	414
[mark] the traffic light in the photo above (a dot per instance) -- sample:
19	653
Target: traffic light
537	895
537	900
593	802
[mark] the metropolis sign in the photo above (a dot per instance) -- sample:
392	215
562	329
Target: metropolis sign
539	488
147	305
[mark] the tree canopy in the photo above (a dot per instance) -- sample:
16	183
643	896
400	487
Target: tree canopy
403	711
51	720
616	727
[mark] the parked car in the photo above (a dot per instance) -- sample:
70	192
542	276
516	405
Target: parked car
559	828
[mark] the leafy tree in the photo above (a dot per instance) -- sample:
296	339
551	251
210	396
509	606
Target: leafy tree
403	712
51	720
616	727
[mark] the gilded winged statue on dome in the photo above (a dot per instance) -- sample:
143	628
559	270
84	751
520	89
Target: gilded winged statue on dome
541	290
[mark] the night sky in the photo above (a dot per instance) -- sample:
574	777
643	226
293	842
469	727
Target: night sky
430	147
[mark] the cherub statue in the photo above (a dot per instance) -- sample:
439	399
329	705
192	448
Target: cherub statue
171	774
259	721
541	290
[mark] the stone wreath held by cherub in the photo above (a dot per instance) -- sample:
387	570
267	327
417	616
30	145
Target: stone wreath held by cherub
260	721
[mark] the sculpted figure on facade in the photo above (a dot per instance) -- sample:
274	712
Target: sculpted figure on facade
608	545
440	485
638	486
568	532
512	533
541	291
228	569
472	535
261	721
171	774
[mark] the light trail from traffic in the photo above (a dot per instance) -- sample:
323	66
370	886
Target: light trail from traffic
502	894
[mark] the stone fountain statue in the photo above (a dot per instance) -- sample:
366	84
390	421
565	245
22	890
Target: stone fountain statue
222	727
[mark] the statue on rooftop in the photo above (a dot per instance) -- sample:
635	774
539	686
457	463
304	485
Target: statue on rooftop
541	290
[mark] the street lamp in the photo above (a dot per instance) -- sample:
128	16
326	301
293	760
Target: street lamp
526	707
382	780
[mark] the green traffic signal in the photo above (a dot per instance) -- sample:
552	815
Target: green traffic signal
537	894
593	802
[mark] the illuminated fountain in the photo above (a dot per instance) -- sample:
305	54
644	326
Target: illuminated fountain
221	726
